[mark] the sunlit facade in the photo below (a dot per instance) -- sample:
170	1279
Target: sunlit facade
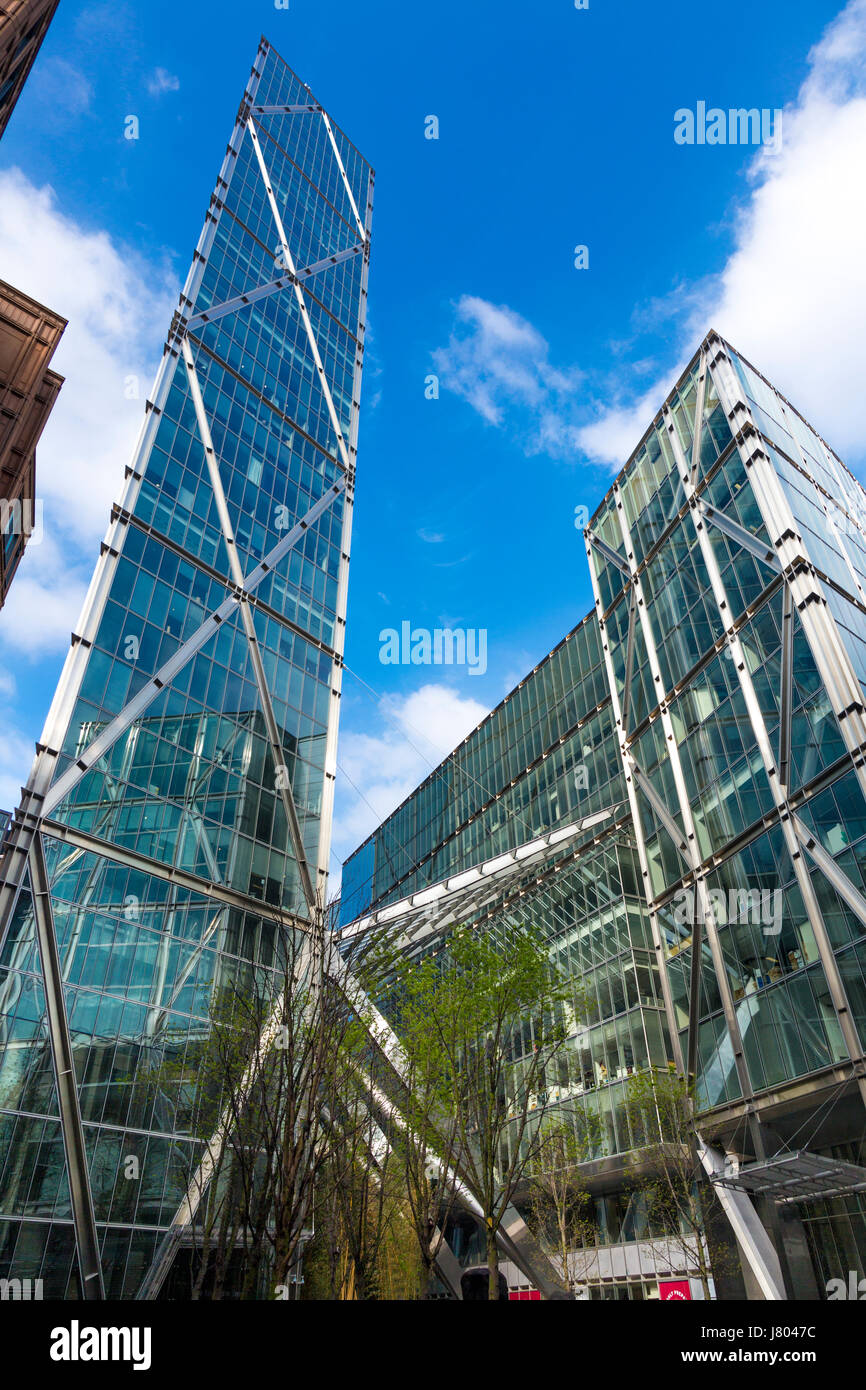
23	26
714	704
29	335
176	824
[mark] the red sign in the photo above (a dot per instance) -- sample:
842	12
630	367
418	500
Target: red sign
523	1295
675	1291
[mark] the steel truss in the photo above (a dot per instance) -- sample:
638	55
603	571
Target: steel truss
787	556
428	912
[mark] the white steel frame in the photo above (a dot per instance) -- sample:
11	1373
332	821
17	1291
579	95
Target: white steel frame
788	556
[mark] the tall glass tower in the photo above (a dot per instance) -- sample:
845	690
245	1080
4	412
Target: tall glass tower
177	817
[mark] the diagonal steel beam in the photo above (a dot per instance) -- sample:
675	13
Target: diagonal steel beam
280	764
750	1232
213	468
698	425
696	963
660	810
786	687
514	1238
169	873
354	206
198	1184
105	740
299	296
629	659
830	869
201	1178
378	1150
279	756
282	282
608	552
291	538
83	1215
739	534
167	672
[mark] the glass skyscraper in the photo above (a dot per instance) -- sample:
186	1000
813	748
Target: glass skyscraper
713	707
177	818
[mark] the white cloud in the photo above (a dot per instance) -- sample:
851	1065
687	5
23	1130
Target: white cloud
436	718
42	609
430	537
498	362
792	295
613	437
117	306
379	770
161	80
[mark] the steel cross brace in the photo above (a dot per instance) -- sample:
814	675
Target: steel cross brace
279	756
608	552
282	282
661	810
835	876
167	672
786	688
737	533
681	844
299	296
63	1060
629	659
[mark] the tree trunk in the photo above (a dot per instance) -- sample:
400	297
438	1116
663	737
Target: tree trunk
566	1271
492	1262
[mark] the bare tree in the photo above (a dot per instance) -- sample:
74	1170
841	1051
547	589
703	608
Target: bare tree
262	1071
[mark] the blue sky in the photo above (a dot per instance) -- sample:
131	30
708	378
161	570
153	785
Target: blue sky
555	129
